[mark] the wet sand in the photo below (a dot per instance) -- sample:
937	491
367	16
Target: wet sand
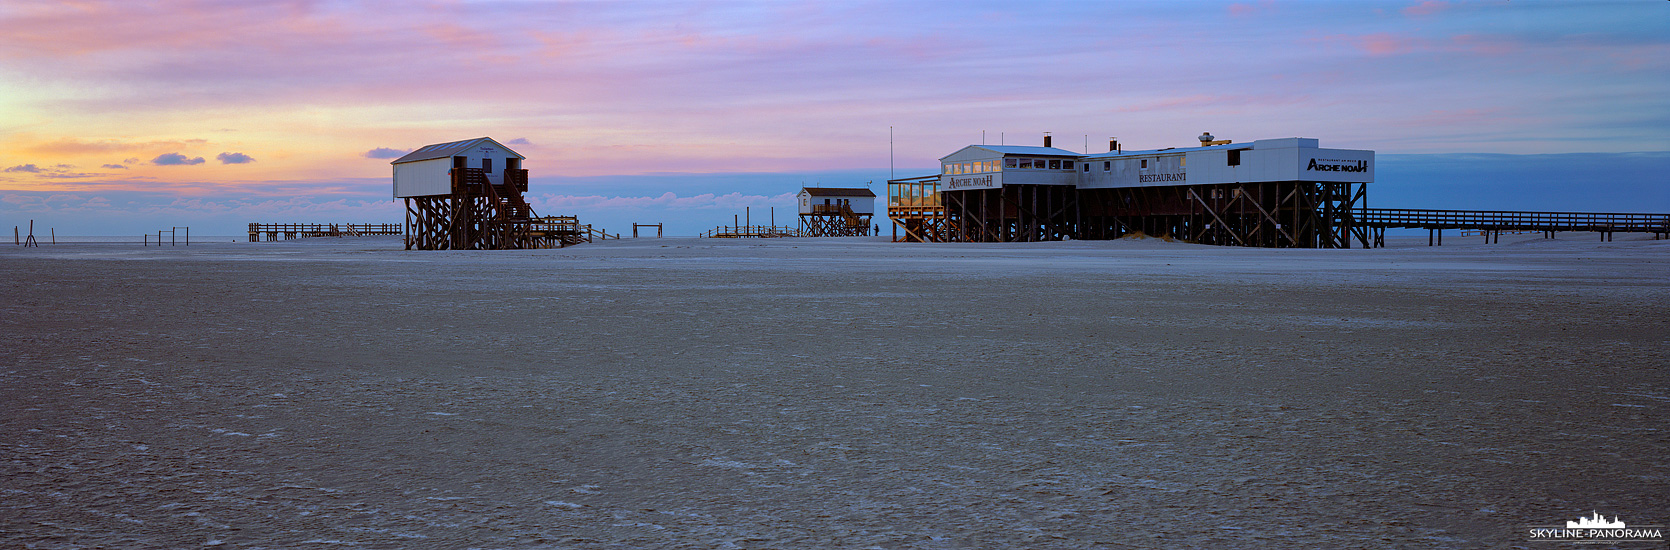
830	393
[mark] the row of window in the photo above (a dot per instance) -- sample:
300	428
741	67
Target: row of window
1012	163
1038	164
955	168
1107	165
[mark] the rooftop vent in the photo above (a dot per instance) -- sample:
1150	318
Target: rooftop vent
1206	139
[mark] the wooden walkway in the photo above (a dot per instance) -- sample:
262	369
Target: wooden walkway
752	231
288	231
1492	223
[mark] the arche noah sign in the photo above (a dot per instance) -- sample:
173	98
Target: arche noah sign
1333	165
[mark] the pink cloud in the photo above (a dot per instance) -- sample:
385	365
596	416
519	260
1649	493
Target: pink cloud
459	36
1240	9
1197	101
1427	7
1485	45
1457	118
1384	43
1377	44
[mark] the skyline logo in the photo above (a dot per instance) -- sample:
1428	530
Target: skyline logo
1594	529
1596	522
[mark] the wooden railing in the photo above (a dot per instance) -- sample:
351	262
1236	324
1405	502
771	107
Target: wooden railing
599	234
288	231
755	231
841	209
913	192
1509	220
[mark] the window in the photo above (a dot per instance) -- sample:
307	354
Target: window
1026	163
1011	163
1055	164
1067	165
1107	165
1087	167
1144	164
1234	157
487	165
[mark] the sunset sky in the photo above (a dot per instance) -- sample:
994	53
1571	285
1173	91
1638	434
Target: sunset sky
116	117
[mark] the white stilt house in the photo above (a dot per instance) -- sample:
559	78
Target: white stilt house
1285	192
427	172
836	211
467	194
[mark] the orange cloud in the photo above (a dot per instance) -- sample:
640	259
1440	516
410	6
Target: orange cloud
72	146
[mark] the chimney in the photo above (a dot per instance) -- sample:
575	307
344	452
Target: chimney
1113	145
1046	139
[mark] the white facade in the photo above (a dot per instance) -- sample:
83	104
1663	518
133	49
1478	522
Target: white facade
993	166
423	178
428	170
818	200
1265	160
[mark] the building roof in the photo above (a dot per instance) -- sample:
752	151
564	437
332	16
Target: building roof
448	149
1172	150
838	192
1020	150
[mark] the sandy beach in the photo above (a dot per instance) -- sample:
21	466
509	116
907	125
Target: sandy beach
830	393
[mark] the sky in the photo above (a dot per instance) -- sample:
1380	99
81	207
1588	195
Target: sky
121	117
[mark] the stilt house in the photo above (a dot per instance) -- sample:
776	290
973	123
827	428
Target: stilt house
836	211
468	195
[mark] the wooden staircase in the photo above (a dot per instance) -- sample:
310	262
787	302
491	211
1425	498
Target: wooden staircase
509	215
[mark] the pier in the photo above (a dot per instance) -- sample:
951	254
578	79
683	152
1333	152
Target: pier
289	231
751	231
1491	223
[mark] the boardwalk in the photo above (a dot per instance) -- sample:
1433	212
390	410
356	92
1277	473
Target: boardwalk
288	231
1494	222
752	231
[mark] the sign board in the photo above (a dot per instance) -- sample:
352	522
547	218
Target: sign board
988	180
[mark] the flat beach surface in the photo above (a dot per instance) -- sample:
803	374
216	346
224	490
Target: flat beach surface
830	393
